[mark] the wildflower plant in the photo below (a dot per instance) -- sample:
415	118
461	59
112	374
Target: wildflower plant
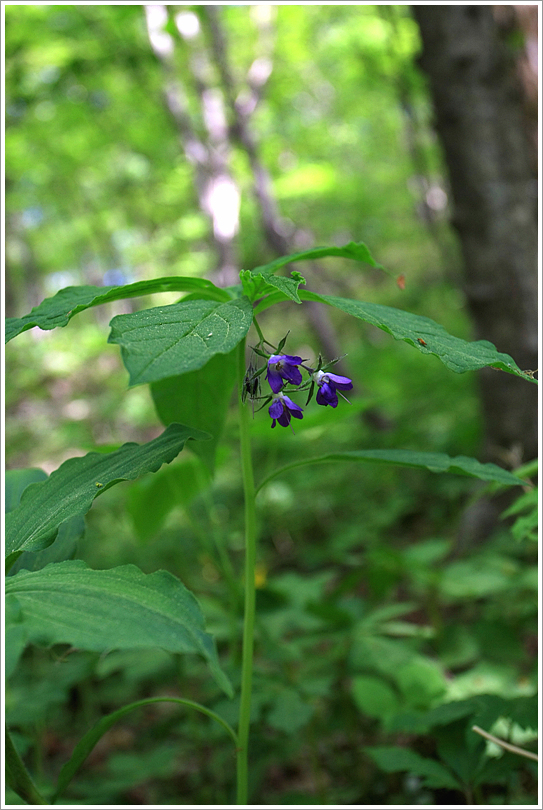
284	369
183	351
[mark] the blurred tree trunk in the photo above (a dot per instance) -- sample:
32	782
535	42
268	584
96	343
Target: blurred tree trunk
480	120
242	106
207	148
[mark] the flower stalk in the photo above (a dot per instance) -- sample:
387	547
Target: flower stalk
281	370
249	607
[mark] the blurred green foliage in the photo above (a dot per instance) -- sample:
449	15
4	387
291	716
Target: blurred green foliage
368	620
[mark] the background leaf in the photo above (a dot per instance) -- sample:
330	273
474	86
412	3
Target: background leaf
290	713
165	341
71	489
201	399
122	608
392	758
16	481
374	697
153	497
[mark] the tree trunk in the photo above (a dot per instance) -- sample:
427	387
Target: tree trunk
479	119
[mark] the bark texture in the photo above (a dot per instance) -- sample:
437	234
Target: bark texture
479	119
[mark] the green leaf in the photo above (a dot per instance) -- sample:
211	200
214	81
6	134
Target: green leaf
64	547
426	335
374	697
152	498
525	526
256	286
166	341
69	534
199	398
258	282
15	638
71	489
391	759
357	251
61	308
290	713
16	481
422	722
435	462
461	751
122	608
479	576
421	681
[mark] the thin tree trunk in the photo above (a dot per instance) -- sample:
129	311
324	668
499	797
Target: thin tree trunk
277	240
478	110
209	152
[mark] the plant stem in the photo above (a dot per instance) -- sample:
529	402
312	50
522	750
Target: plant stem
17	776
258	329
514	748
249	612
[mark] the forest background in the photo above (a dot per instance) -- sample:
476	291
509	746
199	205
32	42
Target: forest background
196	141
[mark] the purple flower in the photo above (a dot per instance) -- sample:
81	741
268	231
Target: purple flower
282	408
283	367
326	395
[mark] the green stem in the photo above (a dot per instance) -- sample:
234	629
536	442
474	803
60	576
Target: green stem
249	613
258	329
17	776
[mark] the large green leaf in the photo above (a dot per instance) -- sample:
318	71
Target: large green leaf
122	608
435	462
69	534
165	341
199	398
426	335
60	308
262	280
71	489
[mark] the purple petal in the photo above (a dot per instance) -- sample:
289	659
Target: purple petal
276	409
275	380
340	382
292	374
293	408
327	396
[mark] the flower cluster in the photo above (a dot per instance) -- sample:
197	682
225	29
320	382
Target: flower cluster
283	370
